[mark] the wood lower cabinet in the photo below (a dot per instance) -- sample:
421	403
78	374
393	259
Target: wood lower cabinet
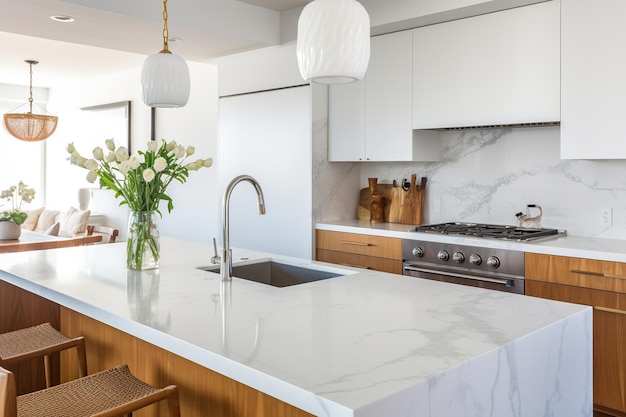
600	284
359	250
202	392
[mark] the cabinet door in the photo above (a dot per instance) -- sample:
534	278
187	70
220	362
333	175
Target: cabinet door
592	79
268	135
609	338
392	266
498	68
346	122
388	99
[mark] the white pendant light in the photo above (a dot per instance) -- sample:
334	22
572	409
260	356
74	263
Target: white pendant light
165	76
333	43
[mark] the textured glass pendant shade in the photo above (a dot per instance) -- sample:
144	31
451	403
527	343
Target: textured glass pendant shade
333	43
165	80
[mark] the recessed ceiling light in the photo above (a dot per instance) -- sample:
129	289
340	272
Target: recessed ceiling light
62	18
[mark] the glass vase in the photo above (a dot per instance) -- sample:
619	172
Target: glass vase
142	244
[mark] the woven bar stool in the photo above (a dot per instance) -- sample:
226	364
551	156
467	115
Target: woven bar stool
40	341
109	393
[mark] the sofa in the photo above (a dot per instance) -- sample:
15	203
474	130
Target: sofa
65	224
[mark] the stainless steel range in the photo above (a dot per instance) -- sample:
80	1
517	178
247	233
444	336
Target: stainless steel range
492	268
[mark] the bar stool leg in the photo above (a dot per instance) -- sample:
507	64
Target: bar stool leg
46	370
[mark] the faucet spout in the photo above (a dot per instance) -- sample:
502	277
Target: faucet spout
226	264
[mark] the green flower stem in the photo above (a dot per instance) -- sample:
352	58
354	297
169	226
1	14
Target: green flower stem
142	246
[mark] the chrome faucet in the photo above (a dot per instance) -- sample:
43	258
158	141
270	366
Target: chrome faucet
226	264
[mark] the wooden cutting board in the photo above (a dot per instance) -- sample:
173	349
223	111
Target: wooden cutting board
396	201
412	207
363	211
400	206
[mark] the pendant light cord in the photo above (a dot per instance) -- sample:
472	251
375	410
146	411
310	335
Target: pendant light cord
30	97
165	32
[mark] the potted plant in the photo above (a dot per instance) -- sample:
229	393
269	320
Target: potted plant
11	220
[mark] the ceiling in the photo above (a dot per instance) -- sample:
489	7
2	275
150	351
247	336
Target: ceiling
116	35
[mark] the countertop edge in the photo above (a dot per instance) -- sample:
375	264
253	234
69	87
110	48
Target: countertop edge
571	246
251	377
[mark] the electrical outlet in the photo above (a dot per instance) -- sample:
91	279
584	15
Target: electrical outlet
606	216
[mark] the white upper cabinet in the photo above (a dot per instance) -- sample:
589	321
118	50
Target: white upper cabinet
493	69
371	120
593	79
388	99
346	122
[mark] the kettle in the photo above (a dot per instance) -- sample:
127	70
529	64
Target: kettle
528	221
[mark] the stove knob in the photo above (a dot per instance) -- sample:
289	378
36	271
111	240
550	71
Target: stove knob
443	255
475	259
458	257
419	252
493	261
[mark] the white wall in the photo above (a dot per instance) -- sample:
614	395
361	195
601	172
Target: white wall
194	125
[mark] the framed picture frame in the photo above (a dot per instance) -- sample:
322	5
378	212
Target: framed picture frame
110	121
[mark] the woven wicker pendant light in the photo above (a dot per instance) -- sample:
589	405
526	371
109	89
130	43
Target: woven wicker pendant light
333	44
165	76
28	126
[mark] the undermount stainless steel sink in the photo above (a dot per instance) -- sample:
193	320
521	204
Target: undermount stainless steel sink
275	273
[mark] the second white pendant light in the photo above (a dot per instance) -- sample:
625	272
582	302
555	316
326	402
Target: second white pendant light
333	44
165	76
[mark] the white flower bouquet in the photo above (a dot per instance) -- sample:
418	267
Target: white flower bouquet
141	182
17	195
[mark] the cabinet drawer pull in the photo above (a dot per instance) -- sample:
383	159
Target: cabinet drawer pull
597	274
356	266
610	310
349	242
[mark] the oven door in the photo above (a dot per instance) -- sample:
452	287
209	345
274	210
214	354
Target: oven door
506	284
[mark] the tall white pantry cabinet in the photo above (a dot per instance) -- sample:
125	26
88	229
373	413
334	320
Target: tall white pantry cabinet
265	130
268	135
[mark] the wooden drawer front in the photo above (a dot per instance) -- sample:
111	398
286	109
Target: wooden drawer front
588	273
577	295
379	246
609	338
393	266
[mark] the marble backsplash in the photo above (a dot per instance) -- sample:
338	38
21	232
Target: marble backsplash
489	175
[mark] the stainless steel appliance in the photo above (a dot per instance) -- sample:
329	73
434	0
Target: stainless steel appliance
492	268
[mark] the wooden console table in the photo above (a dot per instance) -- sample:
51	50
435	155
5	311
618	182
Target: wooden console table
37	241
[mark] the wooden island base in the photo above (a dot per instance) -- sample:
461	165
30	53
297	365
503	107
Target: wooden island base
202	392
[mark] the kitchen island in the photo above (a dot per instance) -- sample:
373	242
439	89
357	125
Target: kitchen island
364	344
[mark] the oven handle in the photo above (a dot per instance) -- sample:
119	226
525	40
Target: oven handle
505	282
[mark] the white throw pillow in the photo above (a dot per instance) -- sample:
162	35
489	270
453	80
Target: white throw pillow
52	230
73	221
31	220
46	219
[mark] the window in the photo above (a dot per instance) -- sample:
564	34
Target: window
21	161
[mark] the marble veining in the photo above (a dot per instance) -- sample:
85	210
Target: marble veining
366	344
488	175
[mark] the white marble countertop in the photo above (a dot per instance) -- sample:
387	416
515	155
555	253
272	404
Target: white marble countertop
573	246
347	346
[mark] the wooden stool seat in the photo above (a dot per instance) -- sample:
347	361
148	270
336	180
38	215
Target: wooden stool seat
40	341
109	393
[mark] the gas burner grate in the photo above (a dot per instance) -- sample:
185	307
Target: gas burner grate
492	231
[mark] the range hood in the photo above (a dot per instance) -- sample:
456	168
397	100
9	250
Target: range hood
498	126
